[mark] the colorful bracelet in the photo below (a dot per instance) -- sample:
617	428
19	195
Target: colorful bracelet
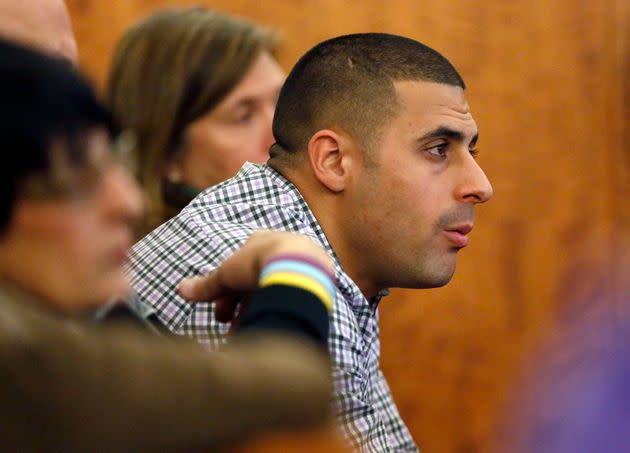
296	271
302	259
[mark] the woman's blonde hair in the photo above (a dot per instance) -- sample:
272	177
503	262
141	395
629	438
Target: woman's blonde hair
169	70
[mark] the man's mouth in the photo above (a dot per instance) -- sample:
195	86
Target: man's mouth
458	234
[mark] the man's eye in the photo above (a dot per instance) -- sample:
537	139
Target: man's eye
438	150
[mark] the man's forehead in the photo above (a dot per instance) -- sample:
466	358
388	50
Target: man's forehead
417	95
430	102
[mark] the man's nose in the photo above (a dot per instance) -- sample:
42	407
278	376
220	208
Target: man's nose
475	186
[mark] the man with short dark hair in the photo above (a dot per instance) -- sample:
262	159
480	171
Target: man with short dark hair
375	159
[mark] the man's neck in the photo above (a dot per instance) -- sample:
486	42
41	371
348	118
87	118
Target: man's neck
330	212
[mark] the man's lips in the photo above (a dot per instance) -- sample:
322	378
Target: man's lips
458	234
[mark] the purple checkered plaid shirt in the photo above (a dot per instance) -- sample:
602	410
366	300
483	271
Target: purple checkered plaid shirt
211	228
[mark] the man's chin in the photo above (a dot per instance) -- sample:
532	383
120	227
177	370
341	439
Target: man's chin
425	282
437	279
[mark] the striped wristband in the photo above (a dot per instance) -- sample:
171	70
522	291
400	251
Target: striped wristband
302	272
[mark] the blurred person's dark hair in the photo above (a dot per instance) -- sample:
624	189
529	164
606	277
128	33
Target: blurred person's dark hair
42	104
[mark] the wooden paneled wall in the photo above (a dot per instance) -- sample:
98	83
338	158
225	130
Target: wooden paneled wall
549	86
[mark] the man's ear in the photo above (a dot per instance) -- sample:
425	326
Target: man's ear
328	153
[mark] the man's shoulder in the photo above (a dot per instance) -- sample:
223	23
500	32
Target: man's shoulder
253	184
210	229
256	198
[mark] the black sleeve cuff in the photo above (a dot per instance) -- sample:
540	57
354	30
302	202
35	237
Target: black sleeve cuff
288	309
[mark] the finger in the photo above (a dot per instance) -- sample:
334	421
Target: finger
203	288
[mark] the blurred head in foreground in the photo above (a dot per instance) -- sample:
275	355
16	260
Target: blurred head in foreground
66	202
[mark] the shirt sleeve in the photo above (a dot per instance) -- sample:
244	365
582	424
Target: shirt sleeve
69	386
288	309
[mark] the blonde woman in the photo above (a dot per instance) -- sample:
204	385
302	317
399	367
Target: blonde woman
199	89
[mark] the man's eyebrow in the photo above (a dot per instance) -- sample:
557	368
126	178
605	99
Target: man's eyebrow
445	131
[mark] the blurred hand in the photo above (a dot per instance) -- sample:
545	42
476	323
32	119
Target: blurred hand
239	274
